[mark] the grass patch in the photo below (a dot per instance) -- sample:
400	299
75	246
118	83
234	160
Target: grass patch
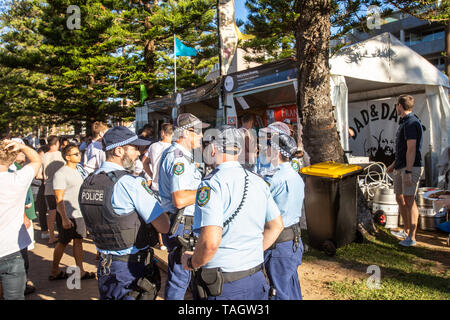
406	273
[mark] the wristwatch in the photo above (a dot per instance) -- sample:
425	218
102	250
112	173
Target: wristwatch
189	263
407	171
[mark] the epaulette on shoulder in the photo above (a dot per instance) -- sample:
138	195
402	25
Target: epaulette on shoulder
258	175
211	174
271	173
178	153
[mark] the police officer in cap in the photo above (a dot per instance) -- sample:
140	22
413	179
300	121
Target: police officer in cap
179	178
287	188
263	165
237	220
123	216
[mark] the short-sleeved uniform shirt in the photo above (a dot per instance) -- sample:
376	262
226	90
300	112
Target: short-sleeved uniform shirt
288	191
177	172
218	197
131	193
409	128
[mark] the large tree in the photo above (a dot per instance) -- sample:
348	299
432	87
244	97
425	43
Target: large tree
303	29
91	70
306	28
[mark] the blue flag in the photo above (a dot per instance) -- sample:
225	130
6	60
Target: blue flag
182	50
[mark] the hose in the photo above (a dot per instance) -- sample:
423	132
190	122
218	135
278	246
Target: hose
373	180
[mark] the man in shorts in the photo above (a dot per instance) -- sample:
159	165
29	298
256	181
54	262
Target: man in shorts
52	161
407	168
66	184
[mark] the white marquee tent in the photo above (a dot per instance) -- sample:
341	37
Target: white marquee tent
368	76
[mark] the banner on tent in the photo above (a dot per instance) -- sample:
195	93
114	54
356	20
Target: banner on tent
282	114
373	125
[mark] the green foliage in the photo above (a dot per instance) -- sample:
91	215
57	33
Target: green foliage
274	22
59	75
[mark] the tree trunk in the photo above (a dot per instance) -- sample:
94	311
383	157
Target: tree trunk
447	49
320	136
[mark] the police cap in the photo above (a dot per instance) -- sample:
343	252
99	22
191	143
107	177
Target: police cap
121	136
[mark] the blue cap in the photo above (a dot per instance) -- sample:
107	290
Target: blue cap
122	136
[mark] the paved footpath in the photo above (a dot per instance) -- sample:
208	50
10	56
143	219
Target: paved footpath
314	275
41	258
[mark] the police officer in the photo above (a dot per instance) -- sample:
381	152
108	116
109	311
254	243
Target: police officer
121	214
287	188
237	220
263	165
179	178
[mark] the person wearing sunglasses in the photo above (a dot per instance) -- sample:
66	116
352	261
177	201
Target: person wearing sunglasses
237	219
66	185
179	178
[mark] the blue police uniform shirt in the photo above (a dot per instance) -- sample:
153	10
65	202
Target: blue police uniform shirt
288	191
218	197
177	173
128	195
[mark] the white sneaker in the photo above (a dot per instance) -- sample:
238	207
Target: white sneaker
407	242
399	234
164	248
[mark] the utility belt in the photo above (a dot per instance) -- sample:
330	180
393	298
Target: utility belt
144	288
186	242
139	257
290	233
209	282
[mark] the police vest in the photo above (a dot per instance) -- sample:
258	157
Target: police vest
109	230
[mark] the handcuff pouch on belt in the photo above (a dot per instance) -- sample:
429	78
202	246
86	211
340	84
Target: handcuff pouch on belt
208	282
148	286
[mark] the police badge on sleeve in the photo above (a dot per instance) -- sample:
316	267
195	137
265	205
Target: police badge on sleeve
203	195
295	165
144	184
178	168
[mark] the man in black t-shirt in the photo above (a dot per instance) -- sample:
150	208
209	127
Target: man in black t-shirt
407	168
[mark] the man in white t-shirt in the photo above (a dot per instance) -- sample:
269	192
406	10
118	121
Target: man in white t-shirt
52	161
152	158
13	233
94	155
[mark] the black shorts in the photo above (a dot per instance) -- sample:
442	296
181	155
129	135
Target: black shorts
51	202
78	231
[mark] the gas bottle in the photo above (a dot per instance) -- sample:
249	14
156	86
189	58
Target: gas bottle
431	170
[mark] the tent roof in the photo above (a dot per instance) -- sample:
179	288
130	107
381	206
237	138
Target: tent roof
386	59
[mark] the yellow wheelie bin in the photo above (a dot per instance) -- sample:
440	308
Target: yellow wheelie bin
330	204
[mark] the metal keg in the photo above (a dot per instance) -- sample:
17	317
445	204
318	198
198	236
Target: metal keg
384	201
427	214
421	201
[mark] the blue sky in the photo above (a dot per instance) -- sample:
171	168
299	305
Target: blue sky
240	11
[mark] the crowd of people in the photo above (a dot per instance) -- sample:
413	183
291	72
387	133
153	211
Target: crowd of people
147	183
231	224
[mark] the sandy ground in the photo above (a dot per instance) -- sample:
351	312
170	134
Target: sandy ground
314	275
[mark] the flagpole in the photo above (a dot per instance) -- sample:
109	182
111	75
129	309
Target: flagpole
175	54
221	100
